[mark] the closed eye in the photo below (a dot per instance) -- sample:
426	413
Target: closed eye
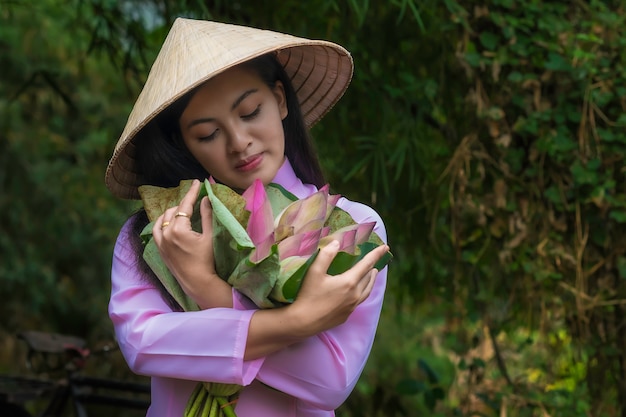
252	115
209	137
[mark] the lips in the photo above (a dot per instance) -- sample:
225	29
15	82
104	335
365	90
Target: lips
250	163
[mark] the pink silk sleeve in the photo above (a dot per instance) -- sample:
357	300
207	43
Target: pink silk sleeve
203	346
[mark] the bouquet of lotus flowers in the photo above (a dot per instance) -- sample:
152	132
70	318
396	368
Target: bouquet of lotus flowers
264	240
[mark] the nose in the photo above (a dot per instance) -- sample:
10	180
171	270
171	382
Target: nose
238	140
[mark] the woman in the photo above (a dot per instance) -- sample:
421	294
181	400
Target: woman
235	103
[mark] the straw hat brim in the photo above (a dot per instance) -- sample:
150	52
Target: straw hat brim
195	51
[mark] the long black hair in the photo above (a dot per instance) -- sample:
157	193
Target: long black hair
163	159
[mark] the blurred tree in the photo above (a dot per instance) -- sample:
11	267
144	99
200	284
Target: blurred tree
489	135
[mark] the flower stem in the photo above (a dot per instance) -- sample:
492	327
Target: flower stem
197	403
208	405
214	408
192	399
226	407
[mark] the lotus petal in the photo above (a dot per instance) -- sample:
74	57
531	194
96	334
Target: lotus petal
331	203
363	232
349	237
306	214
261	222
282	231
314	224
331	200
262	251
302	244
265	258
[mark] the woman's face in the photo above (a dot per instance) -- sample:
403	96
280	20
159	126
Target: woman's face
233	127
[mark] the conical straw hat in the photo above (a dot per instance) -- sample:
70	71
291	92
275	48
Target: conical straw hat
197	50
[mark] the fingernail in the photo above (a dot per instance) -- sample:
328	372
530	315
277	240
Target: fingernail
334	244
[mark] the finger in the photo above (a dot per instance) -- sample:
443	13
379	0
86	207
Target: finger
157	229
368	261
168	214
364	281
188	201
167	218
206	213
163	224
324	258
371	280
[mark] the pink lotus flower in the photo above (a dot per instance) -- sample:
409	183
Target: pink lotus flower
261	223
299	230
265	239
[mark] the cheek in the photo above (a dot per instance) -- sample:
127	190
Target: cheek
209	162
278	133
205	154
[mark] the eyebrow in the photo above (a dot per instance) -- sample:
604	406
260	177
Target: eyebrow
233	107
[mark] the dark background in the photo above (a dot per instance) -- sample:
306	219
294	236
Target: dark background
488	134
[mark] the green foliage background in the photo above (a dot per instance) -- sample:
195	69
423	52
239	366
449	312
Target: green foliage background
490	136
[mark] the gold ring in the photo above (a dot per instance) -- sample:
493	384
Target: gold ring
181	213
164	225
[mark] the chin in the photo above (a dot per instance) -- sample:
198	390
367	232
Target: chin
266	176
241	186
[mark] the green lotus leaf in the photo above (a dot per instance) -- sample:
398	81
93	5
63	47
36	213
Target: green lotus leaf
236	203
225	218
157	199
291	283
274	187
338	219
146	233
269	282
256	280
345	261
154	261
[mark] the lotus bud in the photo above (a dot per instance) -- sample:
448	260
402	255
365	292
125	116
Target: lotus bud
260	226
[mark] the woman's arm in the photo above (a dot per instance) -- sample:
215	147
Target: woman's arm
324	369
212	344
323	301
206	345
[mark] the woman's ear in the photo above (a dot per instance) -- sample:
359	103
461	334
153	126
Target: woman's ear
279	93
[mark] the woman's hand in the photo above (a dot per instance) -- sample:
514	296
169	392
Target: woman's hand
323	302
326	301
189	254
